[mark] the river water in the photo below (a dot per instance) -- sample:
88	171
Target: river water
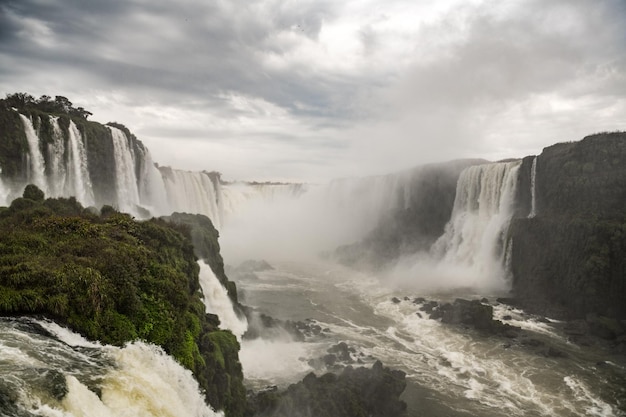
451	371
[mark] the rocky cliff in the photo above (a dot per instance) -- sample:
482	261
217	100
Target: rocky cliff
569	256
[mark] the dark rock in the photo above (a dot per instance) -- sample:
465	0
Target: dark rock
604	327
552	352
507	317
371	392
395	300
419	300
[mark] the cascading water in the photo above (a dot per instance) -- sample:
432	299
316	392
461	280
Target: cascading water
125	177
471	253
56	157
192	192
217	302
533	189
79	183
36	173
474	236
50	371
152	186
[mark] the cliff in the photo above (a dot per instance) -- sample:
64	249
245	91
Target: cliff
114	279
424	206
569	258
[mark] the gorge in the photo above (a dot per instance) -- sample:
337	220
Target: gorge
548	232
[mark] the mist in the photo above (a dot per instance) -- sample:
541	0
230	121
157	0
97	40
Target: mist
468	253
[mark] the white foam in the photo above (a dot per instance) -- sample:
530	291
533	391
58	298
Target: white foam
217	302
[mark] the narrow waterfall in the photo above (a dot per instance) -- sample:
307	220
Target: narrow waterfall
36	173
56	161
474	238
151	185
533	189
192	192
125	177
217	301
79	183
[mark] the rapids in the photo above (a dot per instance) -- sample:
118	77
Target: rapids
451	371
50	371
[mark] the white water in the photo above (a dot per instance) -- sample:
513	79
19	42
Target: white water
533	189
125	177
217	302
151	186
136	380
56	157
451	371
192	192
79	183
472	251
36	173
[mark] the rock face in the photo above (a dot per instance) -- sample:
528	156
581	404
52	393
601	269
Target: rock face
569	259
356	392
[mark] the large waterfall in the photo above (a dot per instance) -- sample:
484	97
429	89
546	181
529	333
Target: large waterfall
472	250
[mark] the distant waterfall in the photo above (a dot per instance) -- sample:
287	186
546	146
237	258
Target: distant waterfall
217	302
533	189
192	192
125	177
36	173
474	238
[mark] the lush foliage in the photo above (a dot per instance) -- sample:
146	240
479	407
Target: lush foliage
114	279
60	104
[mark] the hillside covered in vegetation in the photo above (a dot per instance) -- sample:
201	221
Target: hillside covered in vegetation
114	279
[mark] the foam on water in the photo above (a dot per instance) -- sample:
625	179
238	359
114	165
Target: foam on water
280	361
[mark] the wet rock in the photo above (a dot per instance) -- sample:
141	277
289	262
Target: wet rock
604	327
507	317
395	300
429	306
473	314
419	300
371	392
552	352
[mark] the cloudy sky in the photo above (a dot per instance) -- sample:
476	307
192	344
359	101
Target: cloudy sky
315	89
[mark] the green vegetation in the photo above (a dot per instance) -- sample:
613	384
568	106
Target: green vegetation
114	279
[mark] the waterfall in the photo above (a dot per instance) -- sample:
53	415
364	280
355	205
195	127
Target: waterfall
4	193
533	189
36	174
474	238
79	183
217	302
125	177
51	371
152	192
192	192
56	159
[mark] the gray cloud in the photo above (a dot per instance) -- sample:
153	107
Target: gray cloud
394	83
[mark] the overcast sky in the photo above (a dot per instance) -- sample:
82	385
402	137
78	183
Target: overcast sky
310	90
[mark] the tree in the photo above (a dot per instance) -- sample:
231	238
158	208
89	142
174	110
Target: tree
32	192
